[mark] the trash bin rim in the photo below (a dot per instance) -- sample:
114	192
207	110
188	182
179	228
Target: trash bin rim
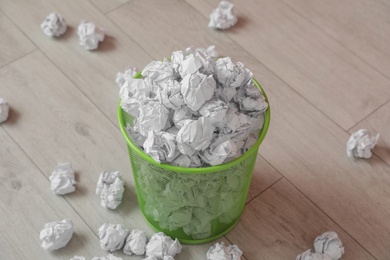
202	170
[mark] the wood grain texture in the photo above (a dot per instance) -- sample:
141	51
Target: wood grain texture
24	211
63	108
12	41
307	59
68	127
93	72
378	122
361	26
286	224
310	151
106	6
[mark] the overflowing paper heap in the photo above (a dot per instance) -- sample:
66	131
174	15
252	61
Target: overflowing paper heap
193	110
56	235
54	25
327	246
62	179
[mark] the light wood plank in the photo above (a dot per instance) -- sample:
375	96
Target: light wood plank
379	122
56	122
106	6
287	224
264	175
361	26
27	204
93	72
12	42
309	150
326	73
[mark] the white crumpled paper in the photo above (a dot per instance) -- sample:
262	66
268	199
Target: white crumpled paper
152	116
54	25
361	143
222	17
329	243
194	135
90	35
128	74
161	245
161	146
221	252
62	179
196	89
112	236
57	234
4	110
308	255
76	257
215	110
110	188
108	257
135	243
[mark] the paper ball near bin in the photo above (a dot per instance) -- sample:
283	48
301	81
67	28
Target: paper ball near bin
195	205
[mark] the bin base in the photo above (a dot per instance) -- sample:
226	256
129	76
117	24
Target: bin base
195	241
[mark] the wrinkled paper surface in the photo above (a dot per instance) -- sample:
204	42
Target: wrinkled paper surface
62	179
361	143
112	236
110	188
56	235
135	243
221	252
308	255
108	257
54	25
90	35
161	245
329	243
222	17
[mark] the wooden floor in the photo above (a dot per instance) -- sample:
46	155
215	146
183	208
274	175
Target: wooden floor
325	66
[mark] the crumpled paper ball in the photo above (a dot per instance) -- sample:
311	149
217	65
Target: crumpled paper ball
76	257
308	255
361	143
90	35
112	236
135	243
329	243
56	235
62	179
110	188
54	25
222	17
161	146
161	245
196	89
4	110
123	77
108	257
221	252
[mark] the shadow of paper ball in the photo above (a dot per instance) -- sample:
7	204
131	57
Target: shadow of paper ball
107	45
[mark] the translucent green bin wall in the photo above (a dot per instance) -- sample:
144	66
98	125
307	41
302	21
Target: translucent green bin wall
195	205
